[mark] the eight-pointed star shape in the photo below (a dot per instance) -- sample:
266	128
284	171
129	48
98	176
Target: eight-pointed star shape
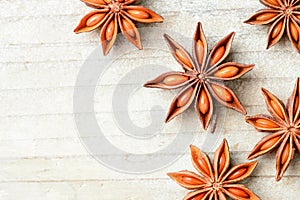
111	15
284	15
202	78
217	180
284	126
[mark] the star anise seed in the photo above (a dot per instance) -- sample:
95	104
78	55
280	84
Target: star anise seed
202	77
284	126
112	15
283	15
217	180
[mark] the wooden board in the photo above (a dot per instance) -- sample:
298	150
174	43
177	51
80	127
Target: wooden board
42	154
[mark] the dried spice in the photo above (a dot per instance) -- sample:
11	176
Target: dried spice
283	15
202	77
284	126
112	15
217	180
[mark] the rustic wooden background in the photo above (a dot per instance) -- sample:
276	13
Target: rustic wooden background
42	156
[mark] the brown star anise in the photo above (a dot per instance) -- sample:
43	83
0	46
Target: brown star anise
112	14
284	125
217	181
284	16
202	77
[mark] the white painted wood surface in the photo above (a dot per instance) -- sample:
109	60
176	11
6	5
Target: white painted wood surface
41	153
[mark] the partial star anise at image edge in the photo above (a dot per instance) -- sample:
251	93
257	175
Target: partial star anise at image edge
112	15
284	16
216	180
284	128
203	77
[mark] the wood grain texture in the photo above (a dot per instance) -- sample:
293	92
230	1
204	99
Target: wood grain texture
42	156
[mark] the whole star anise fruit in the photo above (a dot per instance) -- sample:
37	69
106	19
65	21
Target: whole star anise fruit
284	15
217	180
112	15
284	126
202	78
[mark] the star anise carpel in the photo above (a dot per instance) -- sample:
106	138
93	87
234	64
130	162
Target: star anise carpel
284	128
203	77
216	180
284	16
114	15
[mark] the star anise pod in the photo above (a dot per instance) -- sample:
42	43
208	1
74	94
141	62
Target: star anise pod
202	77
217	180
284	126
284	15
112	15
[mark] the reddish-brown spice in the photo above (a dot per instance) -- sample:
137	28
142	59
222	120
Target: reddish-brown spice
284	15
112	15
284	126
202	77
216	180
